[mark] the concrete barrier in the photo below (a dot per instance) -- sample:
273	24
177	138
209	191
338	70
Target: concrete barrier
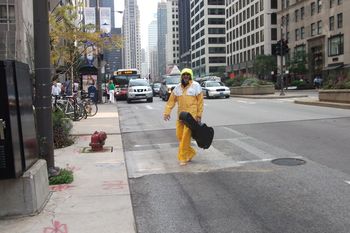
336	95
27	194
253	90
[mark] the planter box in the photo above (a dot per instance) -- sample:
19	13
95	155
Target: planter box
259	90
336	95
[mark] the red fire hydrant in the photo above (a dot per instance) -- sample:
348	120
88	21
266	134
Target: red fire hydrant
98	140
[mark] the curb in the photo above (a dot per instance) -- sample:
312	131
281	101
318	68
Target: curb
323	104
269	97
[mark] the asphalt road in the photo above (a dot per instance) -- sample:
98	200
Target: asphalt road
233	186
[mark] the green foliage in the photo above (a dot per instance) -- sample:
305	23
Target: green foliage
340	82
298	63
263	65
246	81
65	177
301	84
254	82
68	38
61	130
235	82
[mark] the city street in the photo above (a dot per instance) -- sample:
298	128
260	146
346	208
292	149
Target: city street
233	186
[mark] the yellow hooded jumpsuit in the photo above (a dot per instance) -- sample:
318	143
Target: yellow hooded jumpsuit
189	99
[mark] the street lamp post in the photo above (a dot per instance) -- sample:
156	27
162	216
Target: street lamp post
283	25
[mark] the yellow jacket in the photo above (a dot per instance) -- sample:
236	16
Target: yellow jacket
189	99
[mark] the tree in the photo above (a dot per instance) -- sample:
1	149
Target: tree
263	65
69	40
298	64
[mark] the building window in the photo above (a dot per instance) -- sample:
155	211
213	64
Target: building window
273	18
7	14
296	15
336	45
297	34
273	33
319	27
302	13
313	29
302	33
331	23
313	8
216	2
319	6
340	2
273	4
331	3
340	20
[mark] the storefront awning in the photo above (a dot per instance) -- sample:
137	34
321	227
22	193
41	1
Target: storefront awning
333	67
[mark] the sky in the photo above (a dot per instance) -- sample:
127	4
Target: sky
148	9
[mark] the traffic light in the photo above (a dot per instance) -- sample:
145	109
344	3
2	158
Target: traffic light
281	48
276	48
285	48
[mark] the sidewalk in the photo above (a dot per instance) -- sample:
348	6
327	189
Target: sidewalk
98	200
306	97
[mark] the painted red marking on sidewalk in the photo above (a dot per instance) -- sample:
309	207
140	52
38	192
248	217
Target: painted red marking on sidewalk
118	184
85	138
60	187
57	228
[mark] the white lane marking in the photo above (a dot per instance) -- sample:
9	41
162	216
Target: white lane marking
347	181
149	107
246	102
234	131
255	161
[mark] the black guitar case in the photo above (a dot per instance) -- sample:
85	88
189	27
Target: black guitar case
202	133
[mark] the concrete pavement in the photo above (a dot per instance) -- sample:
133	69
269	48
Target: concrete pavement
98	200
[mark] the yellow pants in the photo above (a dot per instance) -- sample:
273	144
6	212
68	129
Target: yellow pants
183	134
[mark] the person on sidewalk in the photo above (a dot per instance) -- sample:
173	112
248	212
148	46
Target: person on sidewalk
111	88
189	97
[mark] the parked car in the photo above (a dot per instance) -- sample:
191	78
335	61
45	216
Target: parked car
167	86
213	89
156	87
139	89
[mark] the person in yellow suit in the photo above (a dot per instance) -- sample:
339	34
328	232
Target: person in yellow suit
189	97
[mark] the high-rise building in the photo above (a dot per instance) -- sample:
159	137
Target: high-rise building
131	33
113	57
105	3
162	31
251	30
172	36
184	34
152	50
208	36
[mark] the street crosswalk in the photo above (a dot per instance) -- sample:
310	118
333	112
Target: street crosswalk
235	151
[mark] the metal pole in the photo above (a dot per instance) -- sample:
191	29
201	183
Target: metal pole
99	74
281	74
42	103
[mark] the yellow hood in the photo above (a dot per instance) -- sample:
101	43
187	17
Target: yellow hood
187	70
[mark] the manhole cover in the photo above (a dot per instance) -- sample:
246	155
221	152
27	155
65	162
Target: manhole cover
288	161
88	150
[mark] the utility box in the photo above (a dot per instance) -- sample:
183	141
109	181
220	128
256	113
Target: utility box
18	141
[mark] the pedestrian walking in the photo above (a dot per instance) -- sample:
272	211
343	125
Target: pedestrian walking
55	92
111	88
189	97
